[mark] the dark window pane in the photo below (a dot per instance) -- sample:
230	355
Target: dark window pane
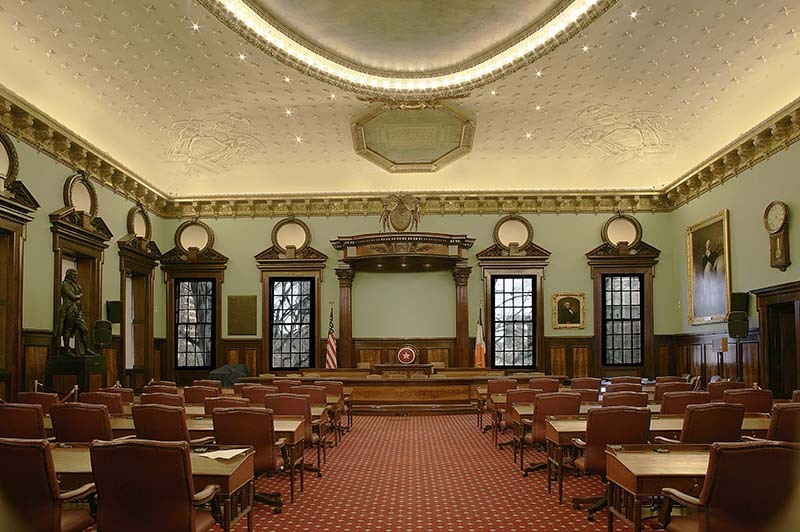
513	314
291	322
194	323
622	316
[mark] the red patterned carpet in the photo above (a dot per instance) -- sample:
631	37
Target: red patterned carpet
425	473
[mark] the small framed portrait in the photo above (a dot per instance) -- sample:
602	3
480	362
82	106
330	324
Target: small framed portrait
569	310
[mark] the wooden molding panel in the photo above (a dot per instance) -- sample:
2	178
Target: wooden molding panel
245	351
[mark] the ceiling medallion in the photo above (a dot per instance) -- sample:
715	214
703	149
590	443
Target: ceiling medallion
260	29
413	137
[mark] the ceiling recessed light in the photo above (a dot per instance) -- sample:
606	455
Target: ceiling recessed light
288	112
242	57
298	139
538	73
333	96
538	107
634	14
528	134
493	93
287	79
585	48
195	26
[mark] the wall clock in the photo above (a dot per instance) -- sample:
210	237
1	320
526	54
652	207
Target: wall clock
776	222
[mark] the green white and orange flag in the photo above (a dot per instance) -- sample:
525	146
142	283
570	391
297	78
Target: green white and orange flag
480	344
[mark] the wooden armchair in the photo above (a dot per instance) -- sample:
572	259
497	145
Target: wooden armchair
256	394
164	423
342	409
717	389
623	387
159	388
157	495
737	495
515	396
626	380
663	387
494	387
198	394
46	400
638	399
612	425
112	401
29	487
586	383
168	399
587	396
709	423
754	400
287	404
784	424
80	422
285	385
125	393
214	403
239	386
544	405
210	383
23	421
676	402
546	385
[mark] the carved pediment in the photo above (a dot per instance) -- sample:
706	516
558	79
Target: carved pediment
21	195
208	255
139	245
497	251
80	226
606	254
274	253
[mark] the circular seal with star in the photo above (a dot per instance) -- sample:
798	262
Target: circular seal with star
407	354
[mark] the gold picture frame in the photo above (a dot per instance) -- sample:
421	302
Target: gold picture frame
564	315
709	269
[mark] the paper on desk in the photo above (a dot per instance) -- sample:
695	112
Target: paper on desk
223	454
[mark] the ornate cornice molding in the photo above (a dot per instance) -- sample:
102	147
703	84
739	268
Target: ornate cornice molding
773	135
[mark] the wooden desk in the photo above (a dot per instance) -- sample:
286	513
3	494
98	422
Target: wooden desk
234	477
635	472
561	429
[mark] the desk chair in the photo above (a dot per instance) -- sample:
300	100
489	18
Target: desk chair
670	378
163	423
717	389
214	403
148	485
239	386
285	385
493	387
257	393
676	402
80	422
662	387
737	494
29	487
709	423
211	383
784	423
125	393
587	395
611	425
46	400
513	397
626	380
337	388
158	388
546	385
254	427
155	382
623	387
23	421
112	401
753	400
198	394
168	399
624	399
544	405
287	404
315	393
586	383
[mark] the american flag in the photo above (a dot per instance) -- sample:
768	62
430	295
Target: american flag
330	348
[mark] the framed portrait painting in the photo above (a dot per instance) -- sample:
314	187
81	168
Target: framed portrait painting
569	310
708	258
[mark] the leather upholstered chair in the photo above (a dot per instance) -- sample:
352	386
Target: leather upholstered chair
759	401
611	425
663	387
288	404
169	399
163	423
239	386
148	485
516	396
213	403
158	388
254	427
31	492
709	423
625	380
257	393
23	421
112	401
669	378
156	382
125	393
546	385
38	398
315	393
624	399
342	409
285	385
676	402
587	395
623	387
586	383
717	389
211	383
796	396
80	422
738	495
784	422
544	405
198	394
494	387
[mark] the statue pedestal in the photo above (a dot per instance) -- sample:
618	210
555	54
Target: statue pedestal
62	373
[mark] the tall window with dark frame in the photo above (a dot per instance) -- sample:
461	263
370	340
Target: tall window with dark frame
623	320
194	323
513	321
291	322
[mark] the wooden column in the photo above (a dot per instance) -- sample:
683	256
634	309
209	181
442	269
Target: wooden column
345	342
461	276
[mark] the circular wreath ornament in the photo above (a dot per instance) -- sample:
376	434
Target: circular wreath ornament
194	234
622	228
407	354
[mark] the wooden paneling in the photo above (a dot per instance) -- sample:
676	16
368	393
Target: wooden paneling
439	355
35	359
372	356
558	360
384	350
63	384
580	362
110	354
750	368
569	355
244	351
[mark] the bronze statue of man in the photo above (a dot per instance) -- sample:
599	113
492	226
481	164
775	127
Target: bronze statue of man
71	322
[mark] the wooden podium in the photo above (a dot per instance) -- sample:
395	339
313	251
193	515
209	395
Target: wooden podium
405	369
62	373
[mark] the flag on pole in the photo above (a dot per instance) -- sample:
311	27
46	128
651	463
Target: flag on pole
480	344
330	348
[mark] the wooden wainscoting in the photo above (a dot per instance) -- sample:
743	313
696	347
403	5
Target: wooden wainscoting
384	350
244	351
37	346
568	355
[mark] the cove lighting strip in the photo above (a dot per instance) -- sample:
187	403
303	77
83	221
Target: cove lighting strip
240	10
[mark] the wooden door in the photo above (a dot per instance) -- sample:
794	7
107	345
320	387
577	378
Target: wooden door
783	348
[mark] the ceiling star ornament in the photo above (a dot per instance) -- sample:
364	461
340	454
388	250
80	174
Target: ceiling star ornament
258	27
